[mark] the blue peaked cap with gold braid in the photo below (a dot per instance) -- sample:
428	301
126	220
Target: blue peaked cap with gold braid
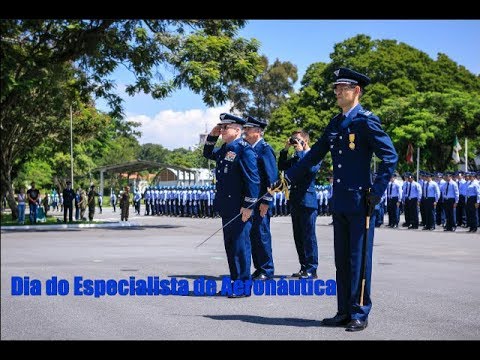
231	119
348	76
252	122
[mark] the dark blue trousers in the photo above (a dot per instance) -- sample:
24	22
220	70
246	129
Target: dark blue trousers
303	221
393	211
261	240
450	214
236	237
472	214
429	213
349	230
412	206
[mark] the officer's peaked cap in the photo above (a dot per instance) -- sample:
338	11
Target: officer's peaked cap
348	76
231	119
252	122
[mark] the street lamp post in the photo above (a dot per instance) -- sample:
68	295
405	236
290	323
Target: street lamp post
71	145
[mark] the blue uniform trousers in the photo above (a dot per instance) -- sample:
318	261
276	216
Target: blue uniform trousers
236	237
461	210
349	230
261	240
472	215
412	206
429	213
393	211
450	214
303	221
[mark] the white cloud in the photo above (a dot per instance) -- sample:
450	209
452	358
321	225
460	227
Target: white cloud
174	129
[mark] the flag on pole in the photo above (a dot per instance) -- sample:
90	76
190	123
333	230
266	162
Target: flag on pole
456	150
409	156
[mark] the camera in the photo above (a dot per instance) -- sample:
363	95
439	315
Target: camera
295	141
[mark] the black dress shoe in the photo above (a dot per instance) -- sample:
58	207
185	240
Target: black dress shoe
307	275
261	277
297	274
235	296
337	320
356	325
255	274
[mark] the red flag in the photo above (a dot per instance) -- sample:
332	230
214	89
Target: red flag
409	156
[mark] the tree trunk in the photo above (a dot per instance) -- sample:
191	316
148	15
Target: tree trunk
7	189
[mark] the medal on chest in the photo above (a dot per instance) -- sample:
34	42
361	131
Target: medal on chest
351	139
230	156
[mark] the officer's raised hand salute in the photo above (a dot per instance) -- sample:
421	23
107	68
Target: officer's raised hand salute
238	186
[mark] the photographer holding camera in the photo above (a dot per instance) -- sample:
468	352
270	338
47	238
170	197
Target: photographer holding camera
303	205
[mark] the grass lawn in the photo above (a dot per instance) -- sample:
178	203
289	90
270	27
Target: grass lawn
6	220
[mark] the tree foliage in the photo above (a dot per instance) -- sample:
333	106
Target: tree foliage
49	64
419	100
270	88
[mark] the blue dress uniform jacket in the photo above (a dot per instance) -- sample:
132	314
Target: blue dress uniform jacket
267	167
260	235
238	182
352	141
351	163
302	192
303	207
237	186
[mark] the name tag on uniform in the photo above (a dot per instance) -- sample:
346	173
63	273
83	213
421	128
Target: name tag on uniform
230	156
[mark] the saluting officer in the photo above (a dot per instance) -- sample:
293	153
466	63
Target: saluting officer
260	235
352	137
238	186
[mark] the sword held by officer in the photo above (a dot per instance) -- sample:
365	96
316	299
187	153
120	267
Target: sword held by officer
281	185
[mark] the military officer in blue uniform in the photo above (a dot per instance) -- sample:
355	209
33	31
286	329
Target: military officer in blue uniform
352	137
303	205
238	187
394	197
430	196
260	235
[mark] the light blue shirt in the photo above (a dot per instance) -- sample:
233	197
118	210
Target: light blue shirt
450	190
431	190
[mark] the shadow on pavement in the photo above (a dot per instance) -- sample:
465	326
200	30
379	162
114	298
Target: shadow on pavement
268	321
206	277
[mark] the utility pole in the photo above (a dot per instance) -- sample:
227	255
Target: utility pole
71	145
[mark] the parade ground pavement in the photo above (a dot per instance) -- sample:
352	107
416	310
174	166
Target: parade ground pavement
425	285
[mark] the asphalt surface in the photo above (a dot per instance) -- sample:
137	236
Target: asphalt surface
425	285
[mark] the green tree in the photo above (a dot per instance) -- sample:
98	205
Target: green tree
153	152
418	99
47	64
270	88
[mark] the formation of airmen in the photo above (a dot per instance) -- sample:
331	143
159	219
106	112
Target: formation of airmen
197	201
428	203
449	199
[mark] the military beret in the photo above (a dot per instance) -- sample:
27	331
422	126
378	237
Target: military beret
252	122
348	76
230	119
